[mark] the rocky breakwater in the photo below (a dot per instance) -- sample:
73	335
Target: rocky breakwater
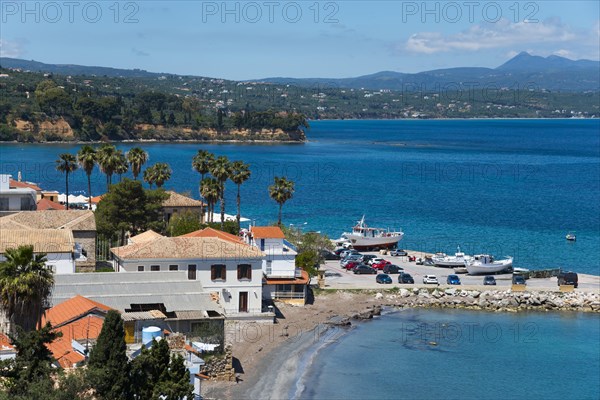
492	300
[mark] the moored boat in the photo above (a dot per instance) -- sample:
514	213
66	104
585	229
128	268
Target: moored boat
364	237
457	260
571	237
484	264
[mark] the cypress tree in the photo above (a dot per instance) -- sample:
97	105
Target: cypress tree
108	367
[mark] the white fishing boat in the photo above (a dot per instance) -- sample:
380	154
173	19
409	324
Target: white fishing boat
364	237
457	260
484	264
571	237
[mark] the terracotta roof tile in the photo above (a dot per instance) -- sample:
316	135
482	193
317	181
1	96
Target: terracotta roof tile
172	248
76	220
43	240
178	200
70	310
22	185
96	199
210	232
267	232
145	236
5	343
45	204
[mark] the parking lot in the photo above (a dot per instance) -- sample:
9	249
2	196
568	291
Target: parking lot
337	277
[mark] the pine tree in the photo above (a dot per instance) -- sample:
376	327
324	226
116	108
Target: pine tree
108	367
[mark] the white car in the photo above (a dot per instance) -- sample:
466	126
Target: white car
430	279
375	260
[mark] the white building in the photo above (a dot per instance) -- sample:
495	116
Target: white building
16	199
57	244
282	280
230	270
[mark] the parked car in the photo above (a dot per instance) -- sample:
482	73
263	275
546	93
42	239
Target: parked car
518	280
392	269
453	280
405	278
489	280
351	257
329	255
383	278
398	253
568	278
380	264
351	264
375	260
339	251
368	257
364	269
430	279
347	252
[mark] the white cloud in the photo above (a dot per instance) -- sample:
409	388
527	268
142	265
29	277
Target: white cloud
505	34
13	49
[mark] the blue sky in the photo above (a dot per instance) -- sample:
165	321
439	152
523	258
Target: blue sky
247	40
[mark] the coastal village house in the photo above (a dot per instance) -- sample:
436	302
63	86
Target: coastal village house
80	321
178	203
168	300
81	223
224	266
282	280
14	197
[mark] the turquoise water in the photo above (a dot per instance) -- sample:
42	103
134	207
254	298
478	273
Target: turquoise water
476	355
507	187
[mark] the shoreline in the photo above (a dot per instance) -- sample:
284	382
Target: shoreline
333	314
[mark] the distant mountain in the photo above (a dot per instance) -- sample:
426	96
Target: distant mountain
522	71
71	69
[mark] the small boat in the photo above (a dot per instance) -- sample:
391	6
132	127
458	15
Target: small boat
571	237
457	260
364	237
484	264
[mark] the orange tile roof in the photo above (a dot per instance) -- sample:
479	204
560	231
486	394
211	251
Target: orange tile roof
63	352
267	232
21	185
87	327
70	310
210	232
5	342
296	281
45	204
96	199
145	236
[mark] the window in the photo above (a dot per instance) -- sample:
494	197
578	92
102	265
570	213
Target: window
140	268
155	268
217	272
192	272
244	271
173	267
262	244
269	267
3	203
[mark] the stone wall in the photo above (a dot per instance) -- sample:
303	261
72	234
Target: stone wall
220	367
88	242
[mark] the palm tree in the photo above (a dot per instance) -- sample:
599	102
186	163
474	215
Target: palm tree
240	173
202	163
221	170
281	191
149	176
158	173
108	160
211	191
87	157
136	157
66	164
121	166
25	286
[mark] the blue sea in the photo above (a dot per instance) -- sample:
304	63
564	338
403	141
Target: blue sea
459	354
505	187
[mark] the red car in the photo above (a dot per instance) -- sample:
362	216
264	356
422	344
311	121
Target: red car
351	265
380	264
